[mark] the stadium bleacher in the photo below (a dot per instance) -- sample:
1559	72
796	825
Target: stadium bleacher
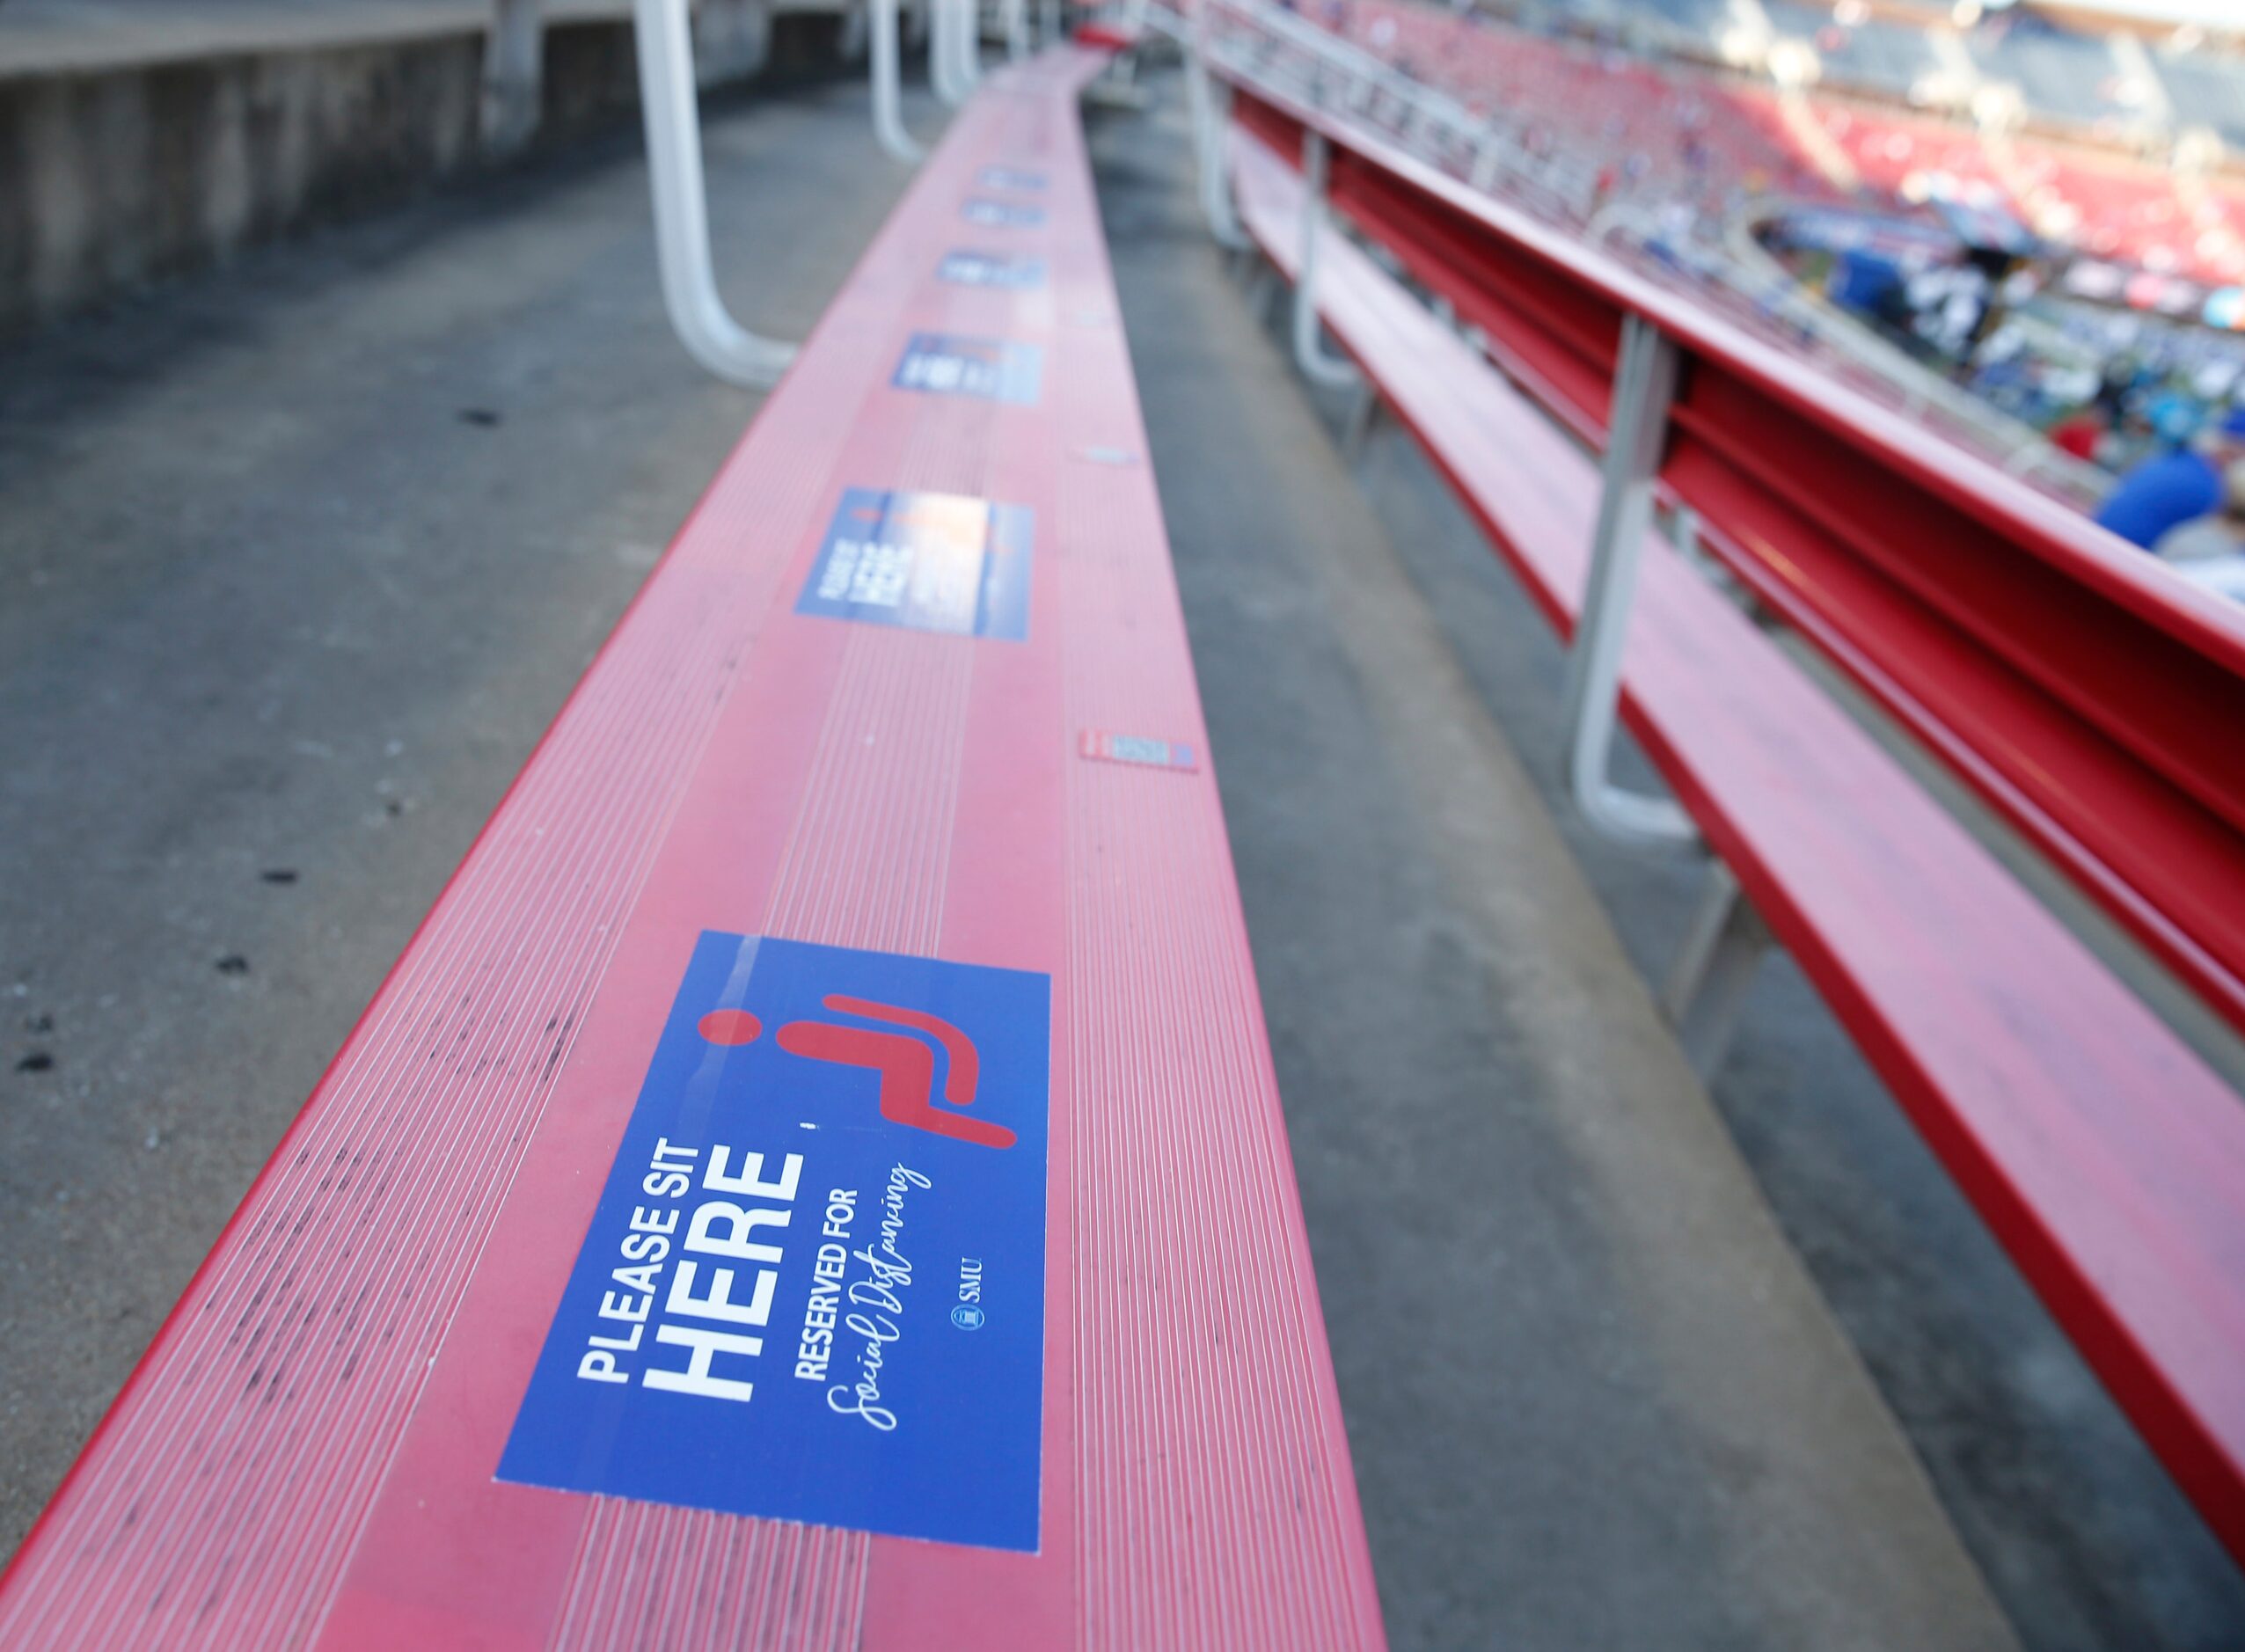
1624	114
1876	53
873	889
2062	75
2103	1206
879	856
2207	90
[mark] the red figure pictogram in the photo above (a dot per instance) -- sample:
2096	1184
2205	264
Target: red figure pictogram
906	1065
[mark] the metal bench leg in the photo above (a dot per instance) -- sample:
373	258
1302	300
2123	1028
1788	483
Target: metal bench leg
513	54
888	111
1211	118
1645	381
1262	290
966	69
1714	970
942	55
712	336
1309	355
1364	418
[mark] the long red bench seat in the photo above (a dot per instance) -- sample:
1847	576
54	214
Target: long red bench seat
2105	1154
816	1178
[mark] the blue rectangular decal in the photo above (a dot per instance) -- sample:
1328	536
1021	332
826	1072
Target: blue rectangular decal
925	562
1141	749
1008	177
994	370
966	268
813	1287
1001	214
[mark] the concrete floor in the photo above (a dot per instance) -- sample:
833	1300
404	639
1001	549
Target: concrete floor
296	562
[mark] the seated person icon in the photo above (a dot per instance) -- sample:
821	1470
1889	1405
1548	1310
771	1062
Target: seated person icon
905	1062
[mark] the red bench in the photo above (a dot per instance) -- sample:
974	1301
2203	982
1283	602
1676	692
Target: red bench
2102	1151
816	1177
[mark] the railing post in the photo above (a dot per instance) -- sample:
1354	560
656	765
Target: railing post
1309	355
886	50
513	62
712	336
1488	157
1714	970
1211	127
942	55
1644	383
1017	29
967	70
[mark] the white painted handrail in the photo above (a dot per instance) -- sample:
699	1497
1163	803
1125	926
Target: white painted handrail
1309	353
942	54
704	325
967	39
1637	429
885	30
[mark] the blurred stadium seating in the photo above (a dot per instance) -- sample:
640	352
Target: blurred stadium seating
2070	139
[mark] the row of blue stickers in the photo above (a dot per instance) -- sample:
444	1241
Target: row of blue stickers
937	561
814	1286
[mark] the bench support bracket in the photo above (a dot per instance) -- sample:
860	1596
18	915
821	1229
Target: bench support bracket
1309	353
942	54
1713	970
513	58
1364	418
967	41
666	94
1212	106
1644	382
886	29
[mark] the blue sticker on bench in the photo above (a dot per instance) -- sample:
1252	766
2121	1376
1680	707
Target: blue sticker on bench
925	562
1001	214
990	269
1008	177
992	370
813	1287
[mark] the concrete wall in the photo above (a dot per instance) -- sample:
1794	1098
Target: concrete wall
113	177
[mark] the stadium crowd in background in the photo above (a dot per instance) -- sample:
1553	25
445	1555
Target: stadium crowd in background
2070	281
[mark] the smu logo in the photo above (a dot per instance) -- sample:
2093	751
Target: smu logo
764	1317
